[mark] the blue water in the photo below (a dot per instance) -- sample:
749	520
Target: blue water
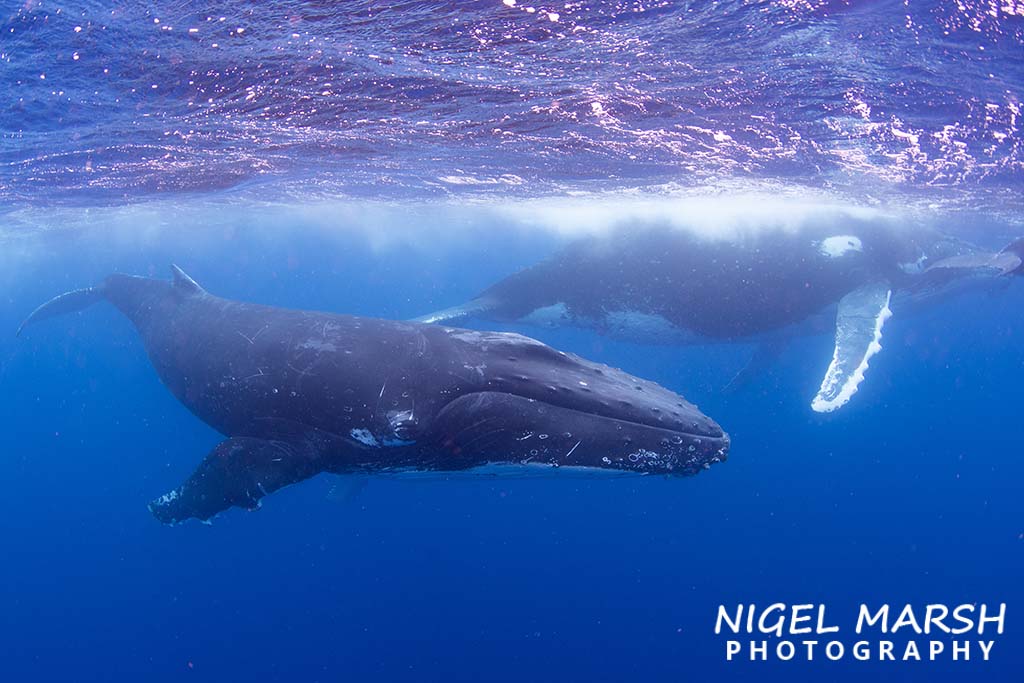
390	159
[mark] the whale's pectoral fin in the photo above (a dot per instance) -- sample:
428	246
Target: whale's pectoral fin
460	312
237	473
859	321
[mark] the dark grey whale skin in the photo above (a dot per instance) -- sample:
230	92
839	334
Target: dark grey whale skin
743	288
715	289
301	392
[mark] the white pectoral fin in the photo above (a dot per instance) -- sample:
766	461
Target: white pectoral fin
862	313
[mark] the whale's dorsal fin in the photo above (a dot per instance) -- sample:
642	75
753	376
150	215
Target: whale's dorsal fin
859	321
184	283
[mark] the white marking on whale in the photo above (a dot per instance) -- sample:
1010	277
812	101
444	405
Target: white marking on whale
318	345
837	245
364	436
549	316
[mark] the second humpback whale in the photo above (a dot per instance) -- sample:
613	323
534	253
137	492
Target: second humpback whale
673	286
297	393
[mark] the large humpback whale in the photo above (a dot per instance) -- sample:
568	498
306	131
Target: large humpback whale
297	393
669	285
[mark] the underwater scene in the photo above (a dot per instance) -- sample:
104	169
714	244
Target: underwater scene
503	340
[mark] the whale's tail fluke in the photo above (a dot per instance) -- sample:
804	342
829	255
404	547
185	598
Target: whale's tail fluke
69	302
128	293
458	313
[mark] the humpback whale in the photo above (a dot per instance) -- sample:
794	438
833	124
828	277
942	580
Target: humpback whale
673	286
297	393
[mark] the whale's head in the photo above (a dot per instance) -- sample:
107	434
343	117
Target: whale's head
535	405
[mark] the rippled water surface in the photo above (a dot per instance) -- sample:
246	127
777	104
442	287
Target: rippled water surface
875	100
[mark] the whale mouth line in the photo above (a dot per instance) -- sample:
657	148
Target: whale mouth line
720	435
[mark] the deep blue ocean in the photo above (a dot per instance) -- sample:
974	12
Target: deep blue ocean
390	159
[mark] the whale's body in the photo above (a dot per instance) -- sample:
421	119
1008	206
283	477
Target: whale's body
301	392
672	286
